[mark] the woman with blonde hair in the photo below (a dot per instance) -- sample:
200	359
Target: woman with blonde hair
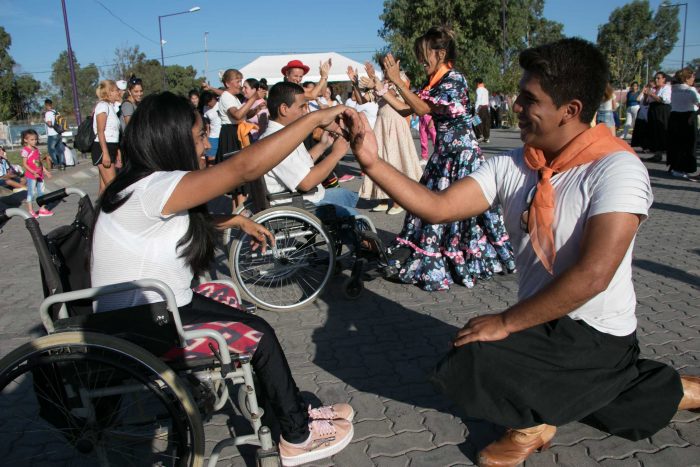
231	112
105	124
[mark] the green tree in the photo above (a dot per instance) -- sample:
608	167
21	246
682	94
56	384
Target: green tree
131	61
17	91
635	37
24	100
485	48
87	79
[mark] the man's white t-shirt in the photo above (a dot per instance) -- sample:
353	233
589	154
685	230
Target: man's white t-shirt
112	126
291	171
136	241
50	119
482	97
226	101
616	183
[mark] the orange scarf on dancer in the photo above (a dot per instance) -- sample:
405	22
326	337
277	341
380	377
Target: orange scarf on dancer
435	78
589	146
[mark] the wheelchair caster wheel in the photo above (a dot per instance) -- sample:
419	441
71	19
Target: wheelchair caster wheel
352	288
337	268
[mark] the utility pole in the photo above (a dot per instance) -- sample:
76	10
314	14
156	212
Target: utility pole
71	66
206	57
503	37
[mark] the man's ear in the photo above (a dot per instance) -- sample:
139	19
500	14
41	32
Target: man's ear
283	110
573	111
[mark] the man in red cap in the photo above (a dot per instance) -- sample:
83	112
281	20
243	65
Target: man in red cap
295	70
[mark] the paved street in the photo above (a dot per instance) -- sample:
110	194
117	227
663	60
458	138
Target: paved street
375	352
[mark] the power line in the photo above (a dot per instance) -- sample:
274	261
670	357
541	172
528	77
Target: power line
125	23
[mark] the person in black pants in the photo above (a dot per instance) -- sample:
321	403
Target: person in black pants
153	222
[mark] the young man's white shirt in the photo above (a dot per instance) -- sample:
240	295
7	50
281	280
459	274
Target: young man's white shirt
616	183
50	119
482	97
291	171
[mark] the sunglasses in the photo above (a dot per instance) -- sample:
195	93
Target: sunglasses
525	216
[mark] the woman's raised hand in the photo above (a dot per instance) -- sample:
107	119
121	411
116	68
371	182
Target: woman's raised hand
361	137
325	68
369	68
329	115
392	71
352	74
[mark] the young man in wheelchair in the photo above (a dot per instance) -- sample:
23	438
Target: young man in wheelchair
152	222
298	171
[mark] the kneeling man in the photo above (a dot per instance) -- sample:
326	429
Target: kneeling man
297	172
573	198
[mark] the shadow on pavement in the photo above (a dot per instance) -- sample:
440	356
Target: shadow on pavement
676	208
667	271
380	347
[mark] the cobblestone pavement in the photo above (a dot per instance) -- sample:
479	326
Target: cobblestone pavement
375	352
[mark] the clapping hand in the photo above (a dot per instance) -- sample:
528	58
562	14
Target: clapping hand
392	70
352	74
361	137
325	68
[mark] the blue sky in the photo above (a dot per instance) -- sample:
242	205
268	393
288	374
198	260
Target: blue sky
238	32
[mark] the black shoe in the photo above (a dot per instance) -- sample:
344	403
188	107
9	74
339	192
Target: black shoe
654	158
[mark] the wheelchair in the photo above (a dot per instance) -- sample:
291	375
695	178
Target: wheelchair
123	387
309	249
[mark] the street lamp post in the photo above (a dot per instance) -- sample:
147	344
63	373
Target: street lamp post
160	32
685	22
71	66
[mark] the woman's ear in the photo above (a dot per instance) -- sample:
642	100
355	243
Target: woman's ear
442	53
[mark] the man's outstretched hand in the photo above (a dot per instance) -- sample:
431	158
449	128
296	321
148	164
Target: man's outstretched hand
362	140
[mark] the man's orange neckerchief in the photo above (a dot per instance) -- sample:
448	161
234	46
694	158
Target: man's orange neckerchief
591	145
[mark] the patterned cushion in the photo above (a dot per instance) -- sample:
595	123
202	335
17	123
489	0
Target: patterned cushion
239	337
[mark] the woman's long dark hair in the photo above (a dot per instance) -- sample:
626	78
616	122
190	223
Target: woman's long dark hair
159	138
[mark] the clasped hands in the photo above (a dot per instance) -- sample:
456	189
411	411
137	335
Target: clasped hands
354	128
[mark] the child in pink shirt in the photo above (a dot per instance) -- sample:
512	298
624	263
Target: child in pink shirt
33	171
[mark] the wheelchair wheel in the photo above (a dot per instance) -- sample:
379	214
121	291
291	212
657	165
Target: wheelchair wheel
79	398
294	272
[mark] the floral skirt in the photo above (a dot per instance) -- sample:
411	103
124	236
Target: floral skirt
462	251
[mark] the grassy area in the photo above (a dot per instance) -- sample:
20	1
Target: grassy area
13	156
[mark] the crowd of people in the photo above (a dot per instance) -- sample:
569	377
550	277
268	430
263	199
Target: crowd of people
663	115
567	351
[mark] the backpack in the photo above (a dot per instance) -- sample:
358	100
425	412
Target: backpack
84	136
60	124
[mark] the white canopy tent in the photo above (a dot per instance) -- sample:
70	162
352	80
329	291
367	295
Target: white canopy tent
270	66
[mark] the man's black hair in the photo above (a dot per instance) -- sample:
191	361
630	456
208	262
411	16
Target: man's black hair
48	101
569	69
479	81
306	84
282	93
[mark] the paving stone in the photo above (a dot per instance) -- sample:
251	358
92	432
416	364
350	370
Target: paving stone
400	444
446	428
372	429
564	456
383	461
448	455
574	433
672	456
666	437
689	431
354	455
367	407
629	462
404	417
613	447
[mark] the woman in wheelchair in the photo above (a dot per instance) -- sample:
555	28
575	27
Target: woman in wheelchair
152	223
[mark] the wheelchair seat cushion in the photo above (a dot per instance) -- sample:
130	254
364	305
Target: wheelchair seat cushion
240	338
220	292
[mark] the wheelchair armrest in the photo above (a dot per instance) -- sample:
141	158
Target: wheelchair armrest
290	194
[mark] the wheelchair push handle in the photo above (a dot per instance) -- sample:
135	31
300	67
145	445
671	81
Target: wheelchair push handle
58	195
9	213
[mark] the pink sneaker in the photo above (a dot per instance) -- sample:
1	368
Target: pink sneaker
346	178
332	412
43	212
326	438
33	214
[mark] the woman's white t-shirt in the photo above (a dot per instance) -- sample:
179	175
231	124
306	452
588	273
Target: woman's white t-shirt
226	101
112	124
136	241
214	122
